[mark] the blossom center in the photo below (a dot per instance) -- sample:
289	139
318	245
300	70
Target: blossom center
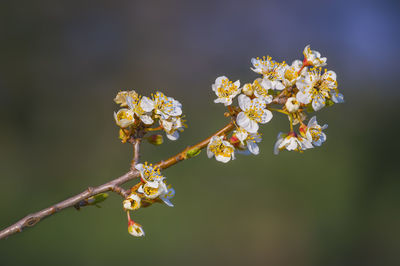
124	115
226	89
254	113
220	149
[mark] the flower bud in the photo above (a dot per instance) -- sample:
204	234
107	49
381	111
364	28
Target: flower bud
155	139
135	229
193	152
292	105
124	118
247	89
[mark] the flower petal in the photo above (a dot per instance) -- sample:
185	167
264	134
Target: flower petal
312	122
304	97
253	148
318	103
252	127
244	102
337	97
167	202
242	120
218	81
223	159
173	136
277	85
147	104
130	102
292	144
277	144
266	116
146	119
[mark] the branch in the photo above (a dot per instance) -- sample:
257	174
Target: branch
113	185
32	219
202	144
136	153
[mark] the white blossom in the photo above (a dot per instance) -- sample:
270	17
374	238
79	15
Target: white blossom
172	127
313	58
135	229
292	105
291	142
290	74
248	140
225	90
142	108
314	132
124	117
316	88
166	106
148	173
253	112
152	190
262	65
121	97
221	149
271	71
132	202
248	89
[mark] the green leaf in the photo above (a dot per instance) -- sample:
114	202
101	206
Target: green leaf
193	152
94	200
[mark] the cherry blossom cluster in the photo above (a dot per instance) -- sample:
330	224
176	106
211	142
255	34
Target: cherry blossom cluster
137	117
152	188
295	90
139	113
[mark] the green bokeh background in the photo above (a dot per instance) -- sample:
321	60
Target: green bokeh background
61	67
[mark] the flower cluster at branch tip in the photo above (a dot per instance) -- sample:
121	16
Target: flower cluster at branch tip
139	114
294	90
152	188
137	117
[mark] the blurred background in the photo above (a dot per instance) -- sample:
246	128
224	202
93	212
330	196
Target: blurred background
62	63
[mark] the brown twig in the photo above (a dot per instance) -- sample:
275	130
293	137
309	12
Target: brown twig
120	191
202	144
32	219
281	98
114	185
136	152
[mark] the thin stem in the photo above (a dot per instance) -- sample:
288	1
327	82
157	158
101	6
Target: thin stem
199	146
291	122
302	67
154	128
136	153
277	110
120	191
